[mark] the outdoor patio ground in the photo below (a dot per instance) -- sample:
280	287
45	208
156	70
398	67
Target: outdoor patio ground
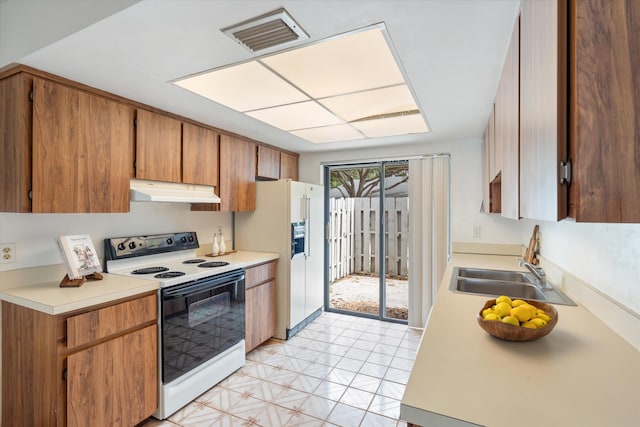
360	293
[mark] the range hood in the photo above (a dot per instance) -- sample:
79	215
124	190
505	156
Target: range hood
156	191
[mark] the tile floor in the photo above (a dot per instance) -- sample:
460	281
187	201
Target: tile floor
339	371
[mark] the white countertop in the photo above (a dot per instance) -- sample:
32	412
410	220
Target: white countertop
581	374
39	287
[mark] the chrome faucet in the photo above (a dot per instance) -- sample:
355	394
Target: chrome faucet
539	273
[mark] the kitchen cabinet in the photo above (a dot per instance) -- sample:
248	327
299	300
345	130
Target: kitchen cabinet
506	131
492	179
200	148
268	165
288	166
543	109
260	304
66	151
237	176
158	147
276	164
95	366
605	107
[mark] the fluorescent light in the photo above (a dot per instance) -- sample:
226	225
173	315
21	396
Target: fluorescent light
344	88
356	62
296	116
243	87
391	126
371	103
329	134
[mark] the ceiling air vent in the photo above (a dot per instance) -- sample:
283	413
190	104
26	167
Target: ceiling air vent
273	29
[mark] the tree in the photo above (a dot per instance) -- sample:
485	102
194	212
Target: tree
364	181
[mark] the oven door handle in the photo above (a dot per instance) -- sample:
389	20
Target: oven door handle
183	291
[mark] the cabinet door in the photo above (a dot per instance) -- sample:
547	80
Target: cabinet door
507	131
288	166
486	199
15	143
260	314
605	96
158	147
81	150
543	109
114	383
237	174
199	155
268	163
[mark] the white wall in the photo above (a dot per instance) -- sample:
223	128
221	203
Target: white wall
606	256
34	234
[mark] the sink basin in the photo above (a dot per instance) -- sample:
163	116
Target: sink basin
509	276
496	287
516	284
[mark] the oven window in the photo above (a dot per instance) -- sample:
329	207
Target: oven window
209	308
199	325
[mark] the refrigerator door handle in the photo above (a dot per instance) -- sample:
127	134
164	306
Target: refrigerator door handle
307	224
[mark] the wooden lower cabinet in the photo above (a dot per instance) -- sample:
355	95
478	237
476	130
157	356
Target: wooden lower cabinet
260	304
109	380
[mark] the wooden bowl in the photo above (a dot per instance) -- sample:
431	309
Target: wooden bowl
509	332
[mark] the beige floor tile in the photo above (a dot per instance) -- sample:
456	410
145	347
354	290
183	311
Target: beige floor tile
345	415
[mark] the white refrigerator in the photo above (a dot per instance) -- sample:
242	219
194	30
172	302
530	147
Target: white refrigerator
299	278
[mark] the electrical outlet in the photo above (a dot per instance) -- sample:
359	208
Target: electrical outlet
7	253
476	231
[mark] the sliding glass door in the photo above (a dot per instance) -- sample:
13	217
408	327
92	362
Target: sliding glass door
368	239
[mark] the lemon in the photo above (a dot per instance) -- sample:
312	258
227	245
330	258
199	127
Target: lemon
517	303
486	311
492	316
533	310
510	320
502	309
530	325
539	322
521	313
503	298
543	316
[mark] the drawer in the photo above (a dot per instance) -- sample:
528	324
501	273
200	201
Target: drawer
110	321
260	274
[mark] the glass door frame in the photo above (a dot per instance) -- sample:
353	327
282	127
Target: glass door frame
381	244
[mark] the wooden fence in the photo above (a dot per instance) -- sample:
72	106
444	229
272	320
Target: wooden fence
354	229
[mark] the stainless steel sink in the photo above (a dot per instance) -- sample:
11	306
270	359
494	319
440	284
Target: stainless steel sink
509	276
516	284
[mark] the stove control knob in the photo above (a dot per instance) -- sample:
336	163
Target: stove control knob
132	245
121	246
183	239
191	238
169	241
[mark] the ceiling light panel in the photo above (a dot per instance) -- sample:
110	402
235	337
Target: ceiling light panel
371	103
392	126
243	87
342	65
329	134
296	116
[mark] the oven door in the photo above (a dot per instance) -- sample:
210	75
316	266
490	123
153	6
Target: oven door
200	320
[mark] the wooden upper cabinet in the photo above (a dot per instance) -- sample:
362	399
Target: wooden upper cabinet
81	150
494	169
158	147
200	148
15	143
486	197
543	109
237	174
288	166
507	128
605	99
268	163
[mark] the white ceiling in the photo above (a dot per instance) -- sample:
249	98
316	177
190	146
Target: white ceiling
451	51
